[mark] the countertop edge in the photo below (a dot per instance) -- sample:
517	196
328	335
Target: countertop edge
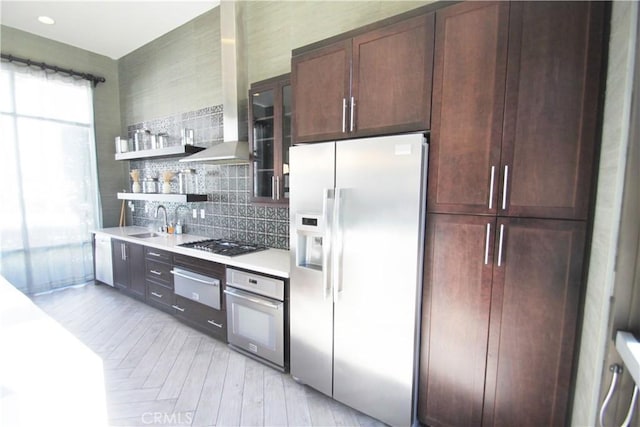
274	262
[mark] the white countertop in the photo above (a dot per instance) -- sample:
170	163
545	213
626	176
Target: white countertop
47	376
271	261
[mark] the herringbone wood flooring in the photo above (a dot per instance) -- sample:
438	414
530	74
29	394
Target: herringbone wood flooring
159	371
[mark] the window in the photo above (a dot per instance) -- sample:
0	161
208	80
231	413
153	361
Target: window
49	199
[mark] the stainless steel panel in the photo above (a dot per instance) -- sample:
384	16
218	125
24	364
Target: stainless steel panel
311	308
380	188
197	287
259	284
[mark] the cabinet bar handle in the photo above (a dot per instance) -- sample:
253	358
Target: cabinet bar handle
504	187
277	188
124	252
157	273
156	295
500	245
177	308
154	254
213	282
259	301
486	245
273	188
493	175
219	325
353	114
344	115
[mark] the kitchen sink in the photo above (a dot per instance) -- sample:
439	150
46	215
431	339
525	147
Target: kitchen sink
144	235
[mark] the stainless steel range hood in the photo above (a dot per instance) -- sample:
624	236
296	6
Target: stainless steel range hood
226	152
235	148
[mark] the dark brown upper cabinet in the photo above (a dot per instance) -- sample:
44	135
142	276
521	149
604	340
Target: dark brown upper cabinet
270	110
514	129
551	109
468	104
374	83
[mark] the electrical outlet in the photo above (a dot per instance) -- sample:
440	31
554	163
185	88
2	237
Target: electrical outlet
132	206
202	213
195	213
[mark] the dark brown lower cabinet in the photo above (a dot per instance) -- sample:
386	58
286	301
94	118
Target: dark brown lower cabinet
158	265
128	267
200	316
500	304
534	308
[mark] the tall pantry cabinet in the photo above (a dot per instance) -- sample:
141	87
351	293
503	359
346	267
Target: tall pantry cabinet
516	106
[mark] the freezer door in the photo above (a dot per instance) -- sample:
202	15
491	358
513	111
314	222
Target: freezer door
311	304
378	250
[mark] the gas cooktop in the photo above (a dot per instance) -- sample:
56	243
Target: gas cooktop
223	247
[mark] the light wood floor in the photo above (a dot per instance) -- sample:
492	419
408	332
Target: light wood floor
159	371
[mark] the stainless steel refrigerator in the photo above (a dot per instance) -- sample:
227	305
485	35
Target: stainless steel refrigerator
357	222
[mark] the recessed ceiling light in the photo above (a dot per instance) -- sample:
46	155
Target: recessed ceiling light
46	20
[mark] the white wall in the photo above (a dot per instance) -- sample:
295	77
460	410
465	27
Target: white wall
274	28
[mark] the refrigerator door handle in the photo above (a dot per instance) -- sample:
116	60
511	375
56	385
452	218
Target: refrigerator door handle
337	252
326	242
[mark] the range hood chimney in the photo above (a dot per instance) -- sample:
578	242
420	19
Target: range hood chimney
235	146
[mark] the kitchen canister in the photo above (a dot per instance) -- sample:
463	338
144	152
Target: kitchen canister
188	181
122	144
187	136
163	140
150	185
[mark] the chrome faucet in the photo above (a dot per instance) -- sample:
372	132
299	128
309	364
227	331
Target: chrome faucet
165	227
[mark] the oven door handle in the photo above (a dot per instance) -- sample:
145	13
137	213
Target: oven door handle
252	299
186	276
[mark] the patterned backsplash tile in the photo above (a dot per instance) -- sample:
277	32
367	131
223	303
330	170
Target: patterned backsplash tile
229	212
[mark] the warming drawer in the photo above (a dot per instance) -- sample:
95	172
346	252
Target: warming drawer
197	287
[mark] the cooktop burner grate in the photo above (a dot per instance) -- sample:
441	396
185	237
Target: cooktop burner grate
224	247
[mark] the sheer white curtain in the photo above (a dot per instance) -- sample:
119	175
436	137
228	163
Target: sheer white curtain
49	199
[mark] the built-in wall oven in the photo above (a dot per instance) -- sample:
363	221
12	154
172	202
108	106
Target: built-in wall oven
256	316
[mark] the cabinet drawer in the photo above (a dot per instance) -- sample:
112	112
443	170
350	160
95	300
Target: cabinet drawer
159	273
158	255
201	316
160	294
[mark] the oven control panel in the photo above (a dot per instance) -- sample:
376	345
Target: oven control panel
256	283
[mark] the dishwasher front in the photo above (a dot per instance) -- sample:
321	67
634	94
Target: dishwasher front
102	259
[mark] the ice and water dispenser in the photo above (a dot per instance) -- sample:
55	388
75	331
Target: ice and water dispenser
310	231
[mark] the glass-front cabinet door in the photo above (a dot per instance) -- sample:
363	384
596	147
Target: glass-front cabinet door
286	138
270	138
263	140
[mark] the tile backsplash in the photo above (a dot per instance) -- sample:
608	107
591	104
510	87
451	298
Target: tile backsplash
228	211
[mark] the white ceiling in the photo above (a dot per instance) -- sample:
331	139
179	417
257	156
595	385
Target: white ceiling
111	28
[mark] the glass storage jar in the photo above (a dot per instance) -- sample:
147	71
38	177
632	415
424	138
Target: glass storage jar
150	185
188	181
